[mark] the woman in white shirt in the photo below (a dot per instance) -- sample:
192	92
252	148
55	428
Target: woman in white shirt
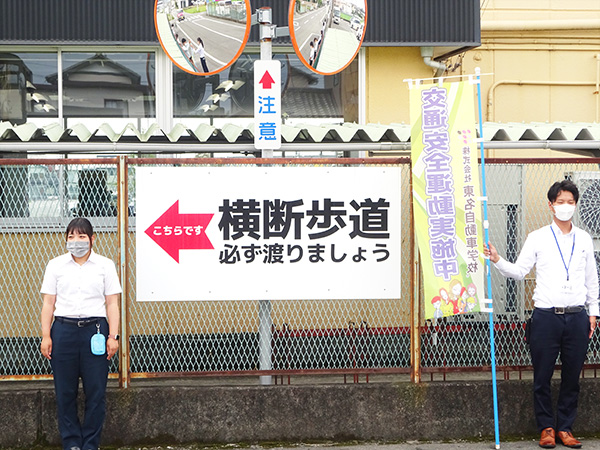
201	55
80	292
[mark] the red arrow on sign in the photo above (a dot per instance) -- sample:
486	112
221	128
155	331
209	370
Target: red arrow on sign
266	80
173	231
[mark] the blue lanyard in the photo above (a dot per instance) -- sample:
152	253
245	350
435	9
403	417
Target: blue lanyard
560	251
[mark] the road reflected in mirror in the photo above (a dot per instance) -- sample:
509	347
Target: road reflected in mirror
327	34
206	37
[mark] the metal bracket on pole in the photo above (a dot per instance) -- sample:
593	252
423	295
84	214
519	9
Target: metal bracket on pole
282	31
267	31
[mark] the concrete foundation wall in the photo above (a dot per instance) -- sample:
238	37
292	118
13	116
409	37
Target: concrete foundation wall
208	414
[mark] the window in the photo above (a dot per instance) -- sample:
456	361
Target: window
230	93
25	91
92	82
118	107
96	87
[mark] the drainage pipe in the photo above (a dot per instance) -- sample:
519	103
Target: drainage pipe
427	55
529	25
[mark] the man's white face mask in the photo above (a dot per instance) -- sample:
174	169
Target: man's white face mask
564	212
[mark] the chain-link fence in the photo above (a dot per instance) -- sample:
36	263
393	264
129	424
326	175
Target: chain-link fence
38	198
223	336
37	201
517	205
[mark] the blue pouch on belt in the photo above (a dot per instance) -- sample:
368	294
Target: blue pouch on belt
98	342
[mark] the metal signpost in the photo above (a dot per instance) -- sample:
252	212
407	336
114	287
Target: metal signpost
267	137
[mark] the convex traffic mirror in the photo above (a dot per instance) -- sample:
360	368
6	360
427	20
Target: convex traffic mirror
327	34
206	37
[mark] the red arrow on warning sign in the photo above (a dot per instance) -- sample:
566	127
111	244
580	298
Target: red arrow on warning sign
266	80
174	232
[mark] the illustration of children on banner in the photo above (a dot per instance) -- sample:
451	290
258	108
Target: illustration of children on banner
455	299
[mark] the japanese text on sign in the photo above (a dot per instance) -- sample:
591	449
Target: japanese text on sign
285	219
471	229
439	184
267	104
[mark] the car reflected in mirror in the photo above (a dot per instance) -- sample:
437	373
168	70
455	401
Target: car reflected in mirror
206	37
327	34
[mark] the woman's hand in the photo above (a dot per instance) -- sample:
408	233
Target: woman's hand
112	346
47	316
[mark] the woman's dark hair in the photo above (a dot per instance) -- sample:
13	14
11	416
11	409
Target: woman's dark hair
564	185
80	225
200	41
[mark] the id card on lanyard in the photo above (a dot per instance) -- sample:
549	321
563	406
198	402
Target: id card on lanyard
567	287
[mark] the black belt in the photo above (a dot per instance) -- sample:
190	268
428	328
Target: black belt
79	322
564	309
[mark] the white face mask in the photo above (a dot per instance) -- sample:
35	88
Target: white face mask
78	248
564	212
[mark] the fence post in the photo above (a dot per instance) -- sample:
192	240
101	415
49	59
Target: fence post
123	233
415	308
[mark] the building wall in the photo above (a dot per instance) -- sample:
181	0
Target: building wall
386	92
543	57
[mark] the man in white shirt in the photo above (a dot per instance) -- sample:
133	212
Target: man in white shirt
566	284
185	46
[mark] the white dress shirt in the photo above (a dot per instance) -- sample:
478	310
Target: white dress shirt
81	289
200	51
552	288
186	50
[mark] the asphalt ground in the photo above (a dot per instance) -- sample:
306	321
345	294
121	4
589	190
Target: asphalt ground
590	443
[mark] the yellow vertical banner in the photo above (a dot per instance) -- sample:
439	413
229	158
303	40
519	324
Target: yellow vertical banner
447	198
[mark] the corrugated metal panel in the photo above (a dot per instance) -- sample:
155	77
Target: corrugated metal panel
406	22
421	22
344	133
390	22
62	21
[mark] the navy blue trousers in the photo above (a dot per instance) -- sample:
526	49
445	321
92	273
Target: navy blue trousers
72	359
552	334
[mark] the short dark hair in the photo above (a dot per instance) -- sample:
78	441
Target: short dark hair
80	225
564	185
